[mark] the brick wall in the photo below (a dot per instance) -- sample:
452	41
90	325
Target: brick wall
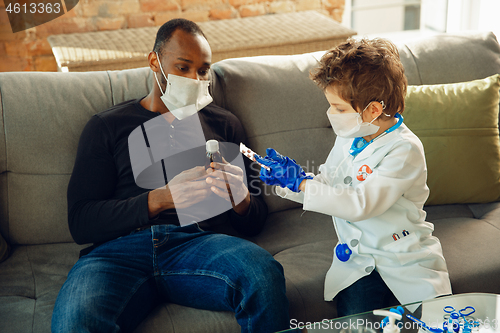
29	50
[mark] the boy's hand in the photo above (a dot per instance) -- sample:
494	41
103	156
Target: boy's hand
283	171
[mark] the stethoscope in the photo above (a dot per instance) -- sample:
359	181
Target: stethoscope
342	250
359	144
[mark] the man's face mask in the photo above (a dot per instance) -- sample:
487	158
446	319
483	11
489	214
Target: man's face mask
184	96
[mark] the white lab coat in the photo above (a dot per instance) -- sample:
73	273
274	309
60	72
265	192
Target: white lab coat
373	196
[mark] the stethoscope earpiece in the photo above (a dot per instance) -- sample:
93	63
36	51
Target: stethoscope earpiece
343	252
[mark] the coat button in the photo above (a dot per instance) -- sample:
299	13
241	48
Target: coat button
369	269
347	180
354	242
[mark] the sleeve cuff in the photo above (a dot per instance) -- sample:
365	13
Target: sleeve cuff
286	193
242	218
312	187
143	198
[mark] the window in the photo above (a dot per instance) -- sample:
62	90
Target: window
382	17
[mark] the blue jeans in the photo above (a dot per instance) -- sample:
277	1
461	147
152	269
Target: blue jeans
114	287
367	294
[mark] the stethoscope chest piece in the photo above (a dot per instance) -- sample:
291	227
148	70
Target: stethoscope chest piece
343	252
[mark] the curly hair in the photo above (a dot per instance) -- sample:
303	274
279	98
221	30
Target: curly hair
363	71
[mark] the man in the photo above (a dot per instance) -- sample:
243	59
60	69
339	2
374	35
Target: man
141	255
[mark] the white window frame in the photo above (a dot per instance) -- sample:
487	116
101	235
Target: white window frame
459	15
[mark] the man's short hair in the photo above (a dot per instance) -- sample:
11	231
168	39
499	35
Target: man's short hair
363	71
167	29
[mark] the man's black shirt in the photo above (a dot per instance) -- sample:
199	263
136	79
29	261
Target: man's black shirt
104	201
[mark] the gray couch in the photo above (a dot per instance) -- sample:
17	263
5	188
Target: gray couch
42	115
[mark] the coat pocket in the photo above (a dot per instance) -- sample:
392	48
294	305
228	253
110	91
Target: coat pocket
407	249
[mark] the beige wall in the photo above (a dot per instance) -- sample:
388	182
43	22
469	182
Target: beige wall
29	50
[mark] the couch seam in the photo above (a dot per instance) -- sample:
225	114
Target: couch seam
222	83
286	209
39	174
290	130
111	89
170	316
415	62
301	301
298	245
34	290
7	206
488	222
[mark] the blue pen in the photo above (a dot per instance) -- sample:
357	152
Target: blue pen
424	325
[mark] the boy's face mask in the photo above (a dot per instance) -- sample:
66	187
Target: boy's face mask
184	96
351	125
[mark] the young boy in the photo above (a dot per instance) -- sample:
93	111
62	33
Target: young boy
373	184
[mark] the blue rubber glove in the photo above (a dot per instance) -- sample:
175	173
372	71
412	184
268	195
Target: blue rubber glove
284	171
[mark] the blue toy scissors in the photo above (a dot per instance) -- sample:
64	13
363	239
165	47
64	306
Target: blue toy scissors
454	317
462	313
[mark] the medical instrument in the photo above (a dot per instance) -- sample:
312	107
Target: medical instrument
399	310
342	250
452	325
249	153
391	327
452	322
214	155
463	312
424	325
359	144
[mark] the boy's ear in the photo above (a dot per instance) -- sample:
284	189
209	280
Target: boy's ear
376	109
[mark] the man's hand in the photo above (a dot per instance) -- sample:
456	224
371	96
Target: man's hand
194	174
184	190
224	178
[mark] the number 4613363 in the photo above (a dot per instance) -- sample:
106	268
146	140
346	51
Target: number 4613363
33	8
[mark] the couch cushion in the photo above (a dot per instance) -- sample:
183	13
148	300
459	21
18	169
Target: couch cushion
458	126
451	58
16	315
294	227
30	280
43	115
469	237
173	318
130	84
305	270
